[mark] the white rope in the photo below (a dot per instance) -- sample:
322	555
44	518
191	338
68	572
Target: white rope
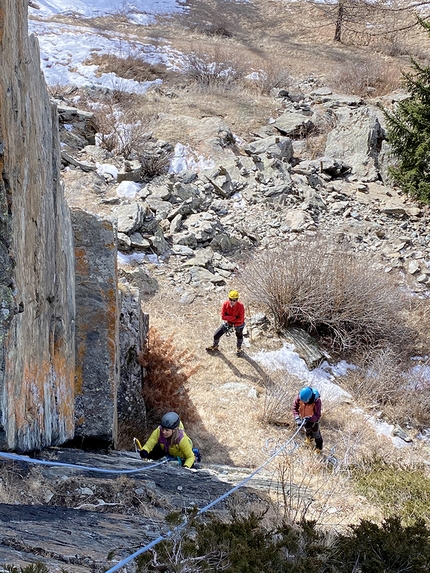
18	458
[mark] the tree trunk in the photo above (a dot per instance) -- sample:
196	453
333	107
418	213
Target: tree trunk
339	21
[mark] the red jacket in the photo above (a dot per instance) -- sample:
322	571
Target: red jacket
234	315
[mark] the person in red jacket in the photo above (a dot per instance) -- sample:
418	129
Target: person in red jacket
233	316
307	413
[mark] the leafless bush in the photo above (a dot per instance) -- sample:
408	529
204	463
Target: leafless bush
270	76
383	381
279	398
379	379
330	292
371	78
121	129
221	68
308	489
154	164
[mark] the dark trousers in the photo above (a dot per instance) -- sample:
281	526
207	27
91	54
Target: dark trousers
157	453
224	328
312	430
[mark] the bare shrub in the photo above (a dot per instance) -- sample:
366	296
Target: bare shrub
378	379
371	78
382	381
120	128
271	75
218	67
279	398
129	67
154	164
308	489
168	370
329	292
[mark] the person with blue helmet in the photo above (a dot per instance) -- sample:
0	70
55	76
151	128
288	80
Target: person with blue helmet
307	413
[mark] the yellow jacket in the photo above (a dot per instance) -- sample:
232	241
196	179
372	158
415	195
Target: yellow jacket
183	449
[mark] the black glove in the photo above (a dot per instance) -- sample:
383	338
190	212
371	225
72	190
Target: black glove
306	419
143	454
298	422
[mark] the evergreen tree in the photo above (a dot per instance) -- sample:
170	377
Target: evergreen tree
408	132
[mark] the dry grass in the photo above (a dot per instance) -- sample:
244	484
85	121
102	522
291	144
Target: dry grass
277	42
279	397
371	78
385	383
128	67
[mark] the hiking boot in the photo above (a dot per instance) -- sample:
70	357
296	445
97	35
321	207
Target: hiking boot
318	452
239	351
213	348
308	441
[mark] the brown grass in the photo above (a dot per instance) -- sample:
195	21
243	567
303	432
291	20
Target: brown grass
371	78
128	67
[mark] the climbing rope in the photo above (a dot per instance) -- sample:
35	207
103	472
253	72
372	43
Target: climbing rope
206	507
18	458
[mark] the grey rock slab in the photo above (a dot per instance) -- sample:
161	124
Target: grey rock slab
130	218
200	275
276	146
293	124
182	250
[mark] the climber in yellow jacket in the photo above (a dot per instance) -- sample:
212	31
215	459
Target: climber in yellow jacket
170	439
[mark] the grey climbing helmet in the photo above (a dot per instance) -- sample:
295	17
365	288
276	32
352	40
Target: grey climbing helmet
170	421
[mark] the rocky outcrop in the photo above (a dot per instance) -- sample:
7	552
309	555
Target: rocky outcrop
55	281
37	277
97	326
133	328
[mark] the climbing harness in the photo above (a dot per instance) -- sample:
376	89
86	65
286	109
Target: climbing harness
229	330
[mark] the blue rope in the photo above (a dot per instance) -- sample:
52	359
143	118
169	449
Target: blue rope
18	458
204	509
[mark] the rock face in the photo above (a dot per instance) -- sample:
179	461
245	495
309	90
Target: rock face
97	326
36	251
56	280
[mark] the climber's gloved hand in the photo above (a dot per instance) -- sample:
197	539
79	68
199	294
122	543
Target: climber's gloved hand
298	422
144	454
306	419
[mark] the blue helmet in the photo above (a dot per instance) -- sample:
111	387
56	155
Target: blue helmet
306	394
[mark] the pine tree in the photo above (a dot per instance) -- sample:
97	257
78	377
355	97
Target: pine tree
408	132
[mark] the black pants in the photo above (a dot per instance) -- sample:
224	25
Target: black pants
157	453
312	430
224	328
